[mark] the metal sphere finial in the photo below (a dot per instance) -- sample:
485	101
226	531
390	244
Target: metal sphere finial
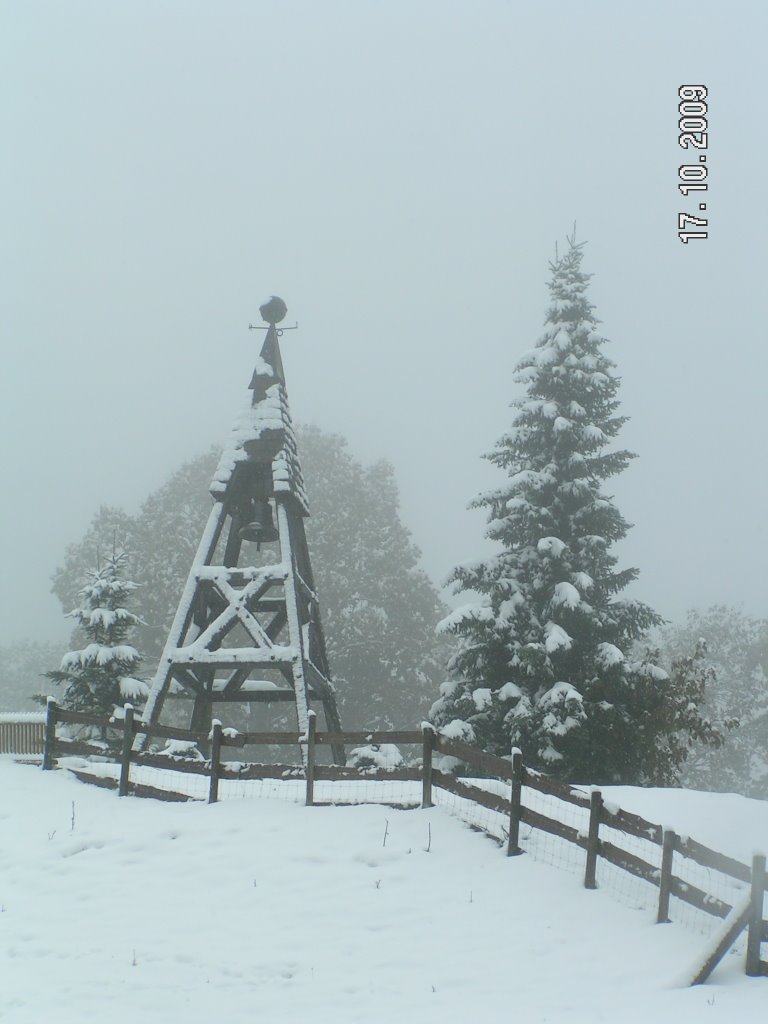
273	310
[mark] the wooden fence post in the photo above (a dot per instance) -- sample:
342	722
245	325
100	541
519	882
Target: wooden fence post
428	745
515	803
755	926
50	734
593	839
213	792
665	879
310	763
125	759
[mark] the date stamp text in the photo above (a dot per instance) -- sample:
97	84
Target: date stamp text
693	136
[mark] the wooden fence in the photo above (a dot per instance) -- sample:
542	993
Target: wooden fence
22	733
747	915
215	767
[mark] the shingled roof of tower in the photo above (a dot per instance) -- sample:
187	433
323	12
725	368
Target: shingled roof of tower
264	432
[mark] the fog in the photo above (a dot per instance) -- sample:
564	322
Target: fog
400	174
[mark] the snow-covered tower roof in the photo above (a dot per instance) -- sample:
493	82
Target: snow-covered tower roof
263	432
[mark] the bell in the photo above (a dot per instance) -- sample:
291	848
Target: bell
261	528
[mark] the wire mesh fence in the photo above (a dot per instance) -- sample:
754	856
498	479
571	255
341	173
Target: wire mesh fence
546	847
494	823
668	877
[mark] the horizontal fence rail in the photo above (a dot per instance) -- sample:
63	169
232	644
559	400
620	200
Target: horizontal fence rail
509	775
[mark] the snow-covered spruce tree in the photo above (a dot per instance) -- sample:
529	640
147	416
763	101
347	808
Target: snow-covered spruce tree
542	660
100	677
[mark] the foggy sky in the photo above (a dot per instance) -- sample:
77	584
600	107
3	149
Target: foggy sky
399	173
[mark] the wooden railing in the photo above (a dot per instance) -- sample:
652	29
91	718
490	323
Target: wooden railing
747	915
215	767
22	733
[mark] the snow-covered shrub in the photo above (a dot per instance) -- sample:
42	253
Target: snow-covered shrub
376	755
182	750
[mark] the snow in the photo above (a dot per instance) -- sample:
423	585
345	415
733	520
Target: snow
222	574
126	910
263	368
562	339
196	653
565	595
472	610
559	693
376	755
482	697
133	689
609	655
271	417
556	638
554	723
593	433
551	546
97	654
458	730
650	670
531	478
510	691
509	607
107	617
182	748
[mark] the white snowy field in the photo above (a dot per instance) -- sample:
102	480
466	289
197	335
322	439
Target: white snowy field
262	910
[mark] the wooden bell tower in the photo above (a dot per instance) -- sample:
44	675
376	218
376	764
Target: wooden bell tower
247	628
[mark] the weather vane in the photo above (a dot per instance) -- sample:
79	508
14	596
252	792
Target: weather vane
272	312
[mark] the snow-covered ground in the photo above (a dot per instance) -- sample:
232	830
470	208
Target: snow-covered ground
264	910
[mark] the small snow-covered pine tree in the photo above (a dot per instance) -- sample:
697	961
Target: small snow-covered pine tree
100	677
543	658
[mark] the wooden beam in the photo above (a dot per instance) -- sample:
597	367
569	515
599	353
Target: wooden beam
253	696
755	926
428	745
364	738
310	759
732	927
709	858
496	766
553	787
171	763
515	804
633	825
215	762
187	678
552	826
665	881
479	796
279	621
51	711
343	773
593	839
125	759
236	680
169	732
